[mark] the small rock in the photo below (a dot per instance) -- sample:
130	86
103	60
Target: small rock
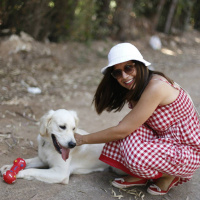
155	42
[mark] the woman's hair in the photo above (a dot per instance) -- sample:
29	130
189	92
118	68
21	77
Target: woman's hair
110	95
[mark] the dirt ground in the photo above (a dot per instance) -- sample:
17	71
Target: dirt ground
67	75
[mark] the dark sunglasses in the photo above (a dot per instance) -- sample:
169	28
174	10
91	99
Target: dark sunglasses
128	69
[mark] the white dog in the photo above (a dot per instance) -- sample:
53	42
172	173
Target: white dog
56	151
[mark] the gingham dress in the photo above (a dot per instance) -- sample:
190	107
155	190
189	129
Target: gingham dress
168	142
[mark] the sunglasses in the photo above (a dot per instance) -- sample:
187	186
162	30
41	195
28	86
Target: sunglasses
128	69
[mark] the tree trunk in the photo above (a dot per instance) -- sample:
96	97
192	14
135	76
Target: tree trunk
196	11
170	16
122	17
158	13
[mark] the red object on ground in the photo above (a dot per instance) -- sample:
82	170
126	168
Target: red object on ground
10	175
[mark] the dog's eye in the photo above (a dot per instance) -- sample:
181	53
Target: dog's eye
74	129
63	127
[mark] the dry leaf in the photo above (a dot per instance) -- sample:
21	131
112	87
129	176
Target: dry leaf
116	196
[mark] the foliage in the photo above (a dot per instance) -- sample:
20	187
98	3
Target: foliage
83	20
145	8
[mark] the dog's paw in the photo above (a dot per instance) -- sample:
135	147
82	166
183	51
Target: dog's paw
65	181
23	174
5	168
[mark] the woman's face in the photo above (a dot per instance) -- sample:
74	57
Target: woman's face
128	74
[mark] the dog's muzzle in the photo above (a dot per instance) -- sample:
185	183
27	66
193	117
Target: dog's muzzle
62	150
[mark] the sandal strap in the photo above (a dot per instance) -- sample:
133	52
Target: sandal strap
156	187
120	179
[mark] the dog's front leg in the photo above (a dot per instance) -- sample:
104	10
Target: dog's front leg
52	175
5	168
35	162
30	163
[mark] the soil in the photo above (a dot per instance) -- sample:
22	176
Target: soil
67	75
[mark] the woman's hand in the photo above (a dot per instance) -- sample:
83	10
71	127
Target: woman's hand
79	139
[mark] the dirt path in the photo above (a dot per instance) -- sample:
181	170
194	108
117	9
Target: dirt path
68	75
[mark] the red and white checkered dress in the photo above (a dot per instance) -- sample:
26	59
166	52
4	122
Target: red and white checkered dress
168	142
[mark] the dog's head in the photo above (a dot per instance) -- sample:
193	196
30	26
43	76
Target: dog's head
60	126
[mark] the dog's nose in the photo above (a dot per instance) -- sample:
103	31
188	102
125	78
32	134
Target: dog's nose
71	145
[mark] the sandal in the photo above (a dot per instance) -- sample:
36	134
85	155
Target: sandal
121	183
155	190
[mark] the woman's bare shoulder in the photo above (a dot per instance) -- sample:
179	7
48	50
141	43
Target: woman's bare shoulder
156	83
159	86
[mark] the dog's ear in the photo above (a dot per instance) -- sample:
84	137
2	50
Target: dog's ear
44	122
74	114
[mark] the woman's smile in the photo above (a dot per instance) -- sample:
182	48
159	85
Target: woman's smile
129	81
128	84
126	80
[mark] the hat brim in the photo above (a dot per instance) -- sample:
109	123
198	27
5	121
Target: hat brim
103	70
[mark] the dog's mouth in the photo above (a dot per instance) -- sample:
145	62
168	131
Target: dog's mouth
60	149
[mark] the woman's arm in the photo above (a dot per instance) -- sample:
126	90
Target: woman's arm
155	93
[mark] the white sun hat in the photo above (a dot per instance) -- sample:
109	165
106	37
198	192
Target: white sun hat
121	53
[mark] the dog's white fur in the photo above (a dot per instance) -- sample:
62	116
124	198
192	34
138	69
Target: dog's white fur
82	159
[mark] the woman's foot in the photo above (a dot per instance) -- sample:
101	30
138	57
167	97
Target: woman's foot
162	185
128	181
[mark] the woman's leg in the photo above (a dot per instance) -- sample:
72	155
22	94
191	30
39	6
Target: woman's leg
164	182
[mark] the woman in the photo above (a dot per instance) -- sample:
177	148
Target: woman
159	138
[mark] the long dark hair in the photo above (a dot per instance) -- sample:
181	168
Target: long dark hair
111	96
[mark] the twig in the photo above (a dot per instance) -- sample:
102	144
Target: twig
116	196
20	114
10	113
33	197
5	136
8	144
